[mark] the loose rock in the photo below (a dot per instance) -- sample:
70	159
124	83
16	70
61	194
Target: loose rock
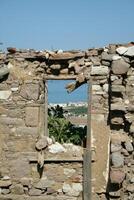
43	183
129	146
130	51
117	176
130	188
17	189
117	159
56	148
115	147
121	50
101	70
106	56
120	67
116	57
35	192
5	183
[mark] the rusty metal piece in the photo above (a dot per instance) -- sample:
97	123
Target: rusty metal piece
40	159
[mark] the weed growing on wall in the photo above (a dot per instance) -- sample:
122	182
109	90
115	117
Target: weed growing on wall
63	130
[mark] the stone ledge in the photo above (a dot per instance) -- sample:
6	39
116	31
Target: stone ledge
25	197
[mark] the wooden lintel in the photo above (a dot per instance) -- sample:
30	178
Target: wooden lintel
34	160
59	77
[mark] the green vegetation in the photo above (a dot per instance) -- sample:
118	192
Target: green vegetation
81	110
62	130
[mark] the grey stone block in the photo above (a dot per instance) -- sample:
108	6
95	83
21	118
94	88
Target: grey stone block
117	159
120	67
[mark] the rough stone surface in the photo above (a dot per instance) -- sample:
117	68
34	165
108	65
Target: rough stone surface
129	146
115	194
106	56
11	121
30	91
120	67
32	116
117	106
20	167
5	94
130	188
117	176
69	172
72	190
106	88
26	181
5	191
96	88
35	192
118	88
5	183
56	148
17	189
117	120
101	70
117	159
115	147
116	57
106	63
121	50
130	51
44	183
132	128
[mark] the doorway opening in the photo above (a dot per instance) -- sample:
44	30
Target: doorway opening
59	117
67	113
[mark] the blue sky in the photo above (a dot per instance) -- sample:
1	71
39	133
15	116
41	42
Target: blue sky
65	24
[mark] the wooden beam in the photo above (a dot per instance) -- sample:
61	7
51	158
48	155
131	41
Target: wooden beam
43	127
46	110
41	121
49	157
86	175
58	160
73	86
59	77
87	187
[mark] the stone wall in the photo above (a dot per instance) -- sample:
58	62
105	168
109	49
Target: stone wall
22	98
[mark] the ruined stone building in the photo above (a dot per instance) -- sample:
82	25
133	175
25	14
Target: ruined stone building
30	166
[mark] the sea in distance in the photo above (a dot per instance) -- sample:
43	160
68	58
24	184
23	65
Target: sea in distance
57	92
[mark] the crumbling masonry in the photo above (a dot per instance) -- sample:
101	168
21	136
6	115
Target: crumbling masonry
22	98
